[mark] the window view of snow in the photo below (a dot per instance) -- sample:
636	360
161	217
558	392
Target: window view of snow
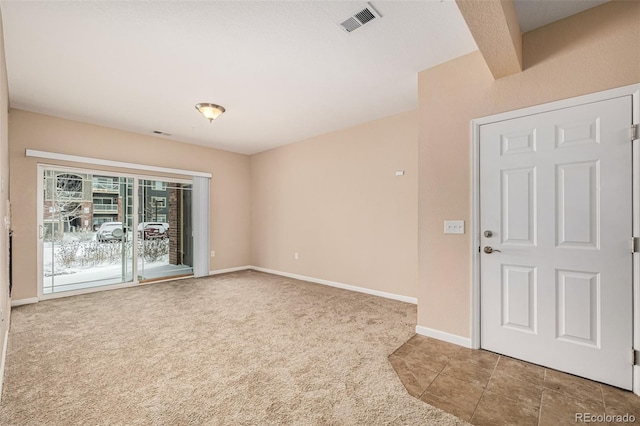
88	230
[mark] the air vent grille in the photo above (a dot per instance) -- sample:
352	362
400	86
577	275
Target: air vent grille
158	132
365	16
359	18
350	24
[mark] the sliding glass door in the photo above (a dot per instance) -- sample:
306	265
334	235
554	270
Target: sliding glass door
100	229
165	236
85	230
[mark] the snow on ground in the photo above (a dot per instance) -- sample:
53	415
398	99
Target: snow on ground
74	278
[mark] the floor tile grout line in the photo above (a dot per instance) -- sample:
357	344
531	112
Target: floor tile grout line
438	375
544	379
399	347
408	370
544	390
484	389
604	403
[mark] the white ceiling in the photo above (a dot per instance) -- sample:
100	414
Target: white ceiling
534	14
284	71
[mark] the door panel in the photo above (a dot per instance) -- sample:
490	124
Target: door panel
578	205
161	229
79	249
518	189
556	194
578	319
519	297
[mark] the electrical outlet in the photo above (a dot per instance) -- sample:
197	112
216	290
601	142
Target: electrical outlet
213	253
454	226
296	256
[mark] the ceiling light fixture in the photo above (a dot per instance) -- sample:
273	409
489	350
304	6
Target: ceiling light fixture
210	111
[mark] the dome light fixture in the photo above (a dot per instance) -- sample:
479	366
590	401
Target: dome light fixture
210	111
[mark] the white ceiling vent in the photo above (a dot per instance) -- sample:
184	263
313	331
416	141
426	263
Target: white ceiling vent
359	18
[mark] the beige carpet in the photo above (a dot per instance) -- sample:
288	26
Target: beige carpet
239	349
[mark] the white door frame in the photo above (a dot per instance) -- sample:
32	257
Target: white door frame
634	91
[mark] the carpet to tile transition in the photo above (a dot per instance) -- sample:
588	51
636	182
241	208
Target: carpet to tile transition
245	348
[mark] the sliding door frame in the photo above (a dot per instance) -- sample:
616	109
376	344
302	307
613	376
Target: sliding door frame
137	177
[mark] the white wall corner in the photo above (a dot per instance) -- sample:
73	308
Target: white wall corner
442	335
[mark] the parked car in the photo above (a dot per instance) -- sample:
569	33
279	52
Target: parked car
110	231
152	230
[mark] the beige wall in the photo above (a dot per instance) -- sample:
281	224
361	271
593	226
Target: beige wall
4	197
593	51
230	200
336	201
335	198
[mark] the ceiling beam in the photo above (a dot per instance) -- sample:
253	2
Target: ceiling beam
495	28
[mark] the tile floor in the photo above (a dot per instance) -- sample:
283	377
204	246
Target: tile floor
484	388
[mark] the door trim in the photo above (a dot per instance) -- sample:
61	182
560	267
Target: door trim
631	90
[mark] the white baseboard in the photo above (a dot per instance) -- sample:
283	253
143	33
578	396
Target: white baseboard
384	294
2	361
442	335
27	301
225	271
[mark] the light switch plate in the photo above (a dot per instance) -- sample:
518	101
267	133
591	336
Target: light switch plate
454	226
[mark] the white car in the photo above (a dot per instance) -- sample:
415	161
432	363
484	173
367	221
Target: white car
110	231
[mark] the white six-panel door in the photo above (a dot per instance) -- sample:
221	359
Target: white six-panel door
556	197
